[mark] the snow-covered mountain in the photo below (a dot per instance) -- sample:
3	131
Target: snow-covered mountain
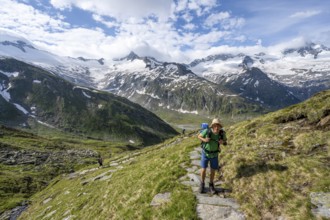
216	84
153	84
78	70
293	67
31	97
305	70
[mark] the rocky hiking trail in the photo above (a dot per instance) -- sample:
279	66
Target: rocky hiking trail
218	206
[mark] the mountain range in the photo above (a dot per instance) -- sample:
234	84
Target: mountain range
218	84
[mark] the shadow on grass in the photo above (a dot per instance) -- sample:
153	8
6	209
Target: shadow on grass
247	170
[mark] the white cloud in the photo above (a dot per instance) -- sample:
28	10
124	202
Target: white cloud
181	5
27	18
305	14
240	38
121	10
233	23
166	29
259	42
201	6
189	26
109	24
214	19
205	41
187	16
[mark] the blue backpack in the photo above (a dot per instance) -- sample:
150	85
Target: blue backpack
204	126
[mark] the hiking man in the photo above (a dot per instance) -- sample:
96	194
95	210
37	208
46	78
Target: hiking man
211	139
100	161
183	131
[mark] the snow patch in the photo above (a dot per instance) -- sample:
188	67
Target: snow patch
37	81
256	84
4	92
143	92
19	107
81	87
43	123
183	111
84	93
14	74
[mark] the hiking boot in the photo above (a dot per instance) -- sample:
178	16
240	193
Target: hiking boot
212	189
201	188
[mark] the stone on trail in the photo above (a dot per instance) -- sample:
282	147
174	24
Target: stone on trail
160	199
322	202
216	200
194	178
189	183
212	212
194	155
196	162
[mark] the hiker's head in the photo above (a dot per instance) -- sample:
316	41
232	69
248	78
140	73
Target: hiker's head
216	125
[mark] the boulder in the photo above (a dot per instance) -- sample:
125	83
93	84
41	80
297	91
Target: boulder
321	201
160	199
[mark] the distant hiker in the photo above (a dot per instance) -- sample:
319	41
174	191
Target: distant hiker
211	139
183	131
100	161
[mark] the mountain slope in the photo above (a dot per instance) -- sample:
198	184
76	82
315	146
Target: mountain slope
29	162
272	164
123	189
255	85
276	161
43	98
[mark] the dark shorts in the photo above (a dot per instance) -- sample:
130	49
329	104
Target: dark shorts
214	162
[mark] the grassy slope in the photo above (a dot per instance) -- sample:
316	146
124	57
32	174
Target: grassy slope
127	194
272	163
19	182
276	160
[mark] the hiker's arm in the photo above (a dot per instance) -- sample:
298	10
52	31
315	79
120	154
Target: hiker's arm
200	137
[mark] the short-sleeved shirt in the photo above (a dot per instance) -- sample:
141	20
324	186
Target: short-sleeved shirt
212	145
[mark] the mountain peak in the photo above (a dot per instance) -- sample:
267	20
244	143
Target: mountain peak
19	44
308	48
11	39
100	61
131	56
246	63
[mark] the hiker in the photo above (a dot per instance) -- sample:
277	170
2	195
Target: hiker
100	161
211	139
183	131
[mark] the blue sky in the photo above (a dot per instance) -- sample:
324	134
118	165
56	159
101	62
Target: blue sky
168	30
